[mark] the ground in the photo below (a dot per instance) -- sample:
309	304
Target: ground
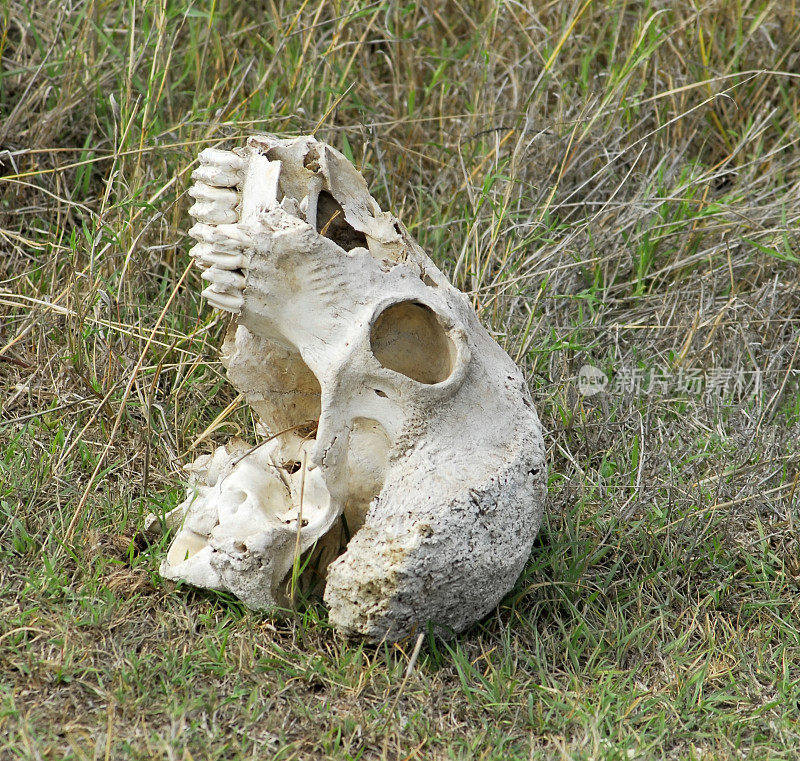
614	184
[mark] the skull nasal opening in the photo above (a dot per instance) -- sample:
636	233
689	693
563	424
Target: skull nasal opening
408	338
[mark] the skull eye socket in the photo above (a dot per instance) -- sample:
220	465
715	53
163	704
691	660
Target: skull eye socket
408	338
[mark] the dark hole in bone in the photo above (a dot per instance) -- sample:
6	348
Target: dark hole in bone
380	393
427	280
408	338
311	582
332	224
311	160
289	521
292	467
346	532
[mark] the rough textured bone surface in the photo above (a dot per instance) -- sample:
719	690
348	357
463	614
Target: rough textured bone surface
402	457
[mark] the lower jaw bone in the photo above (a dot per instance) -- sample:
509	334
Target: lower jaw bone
251	512
402	456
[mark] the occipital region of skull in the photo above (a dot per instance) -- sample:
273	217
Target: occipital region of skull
402	457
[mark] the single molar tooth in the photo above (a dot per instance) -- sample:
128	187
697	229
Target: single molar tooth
226	238
226	160
224	259
230	302
203	192
202	233
200	253
225	245
225	280
232	235
214	213
213	175
208	255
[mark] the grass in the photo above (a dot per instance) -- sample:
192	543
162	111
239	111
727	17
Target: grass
613	184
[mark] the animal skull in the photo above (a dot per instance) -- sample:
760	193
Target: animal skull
401	446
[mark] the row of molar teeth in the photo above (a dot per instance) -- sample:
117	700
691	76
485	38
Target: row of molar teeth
220	252
221	246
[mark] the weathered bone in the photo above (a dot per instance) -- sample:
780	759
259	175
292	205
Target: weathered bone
392	418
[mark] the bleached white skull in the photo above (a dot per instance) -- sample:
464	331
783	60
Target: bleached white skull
401	441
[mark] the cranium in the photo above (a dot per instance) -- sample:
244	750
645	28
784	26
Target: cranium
401	445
